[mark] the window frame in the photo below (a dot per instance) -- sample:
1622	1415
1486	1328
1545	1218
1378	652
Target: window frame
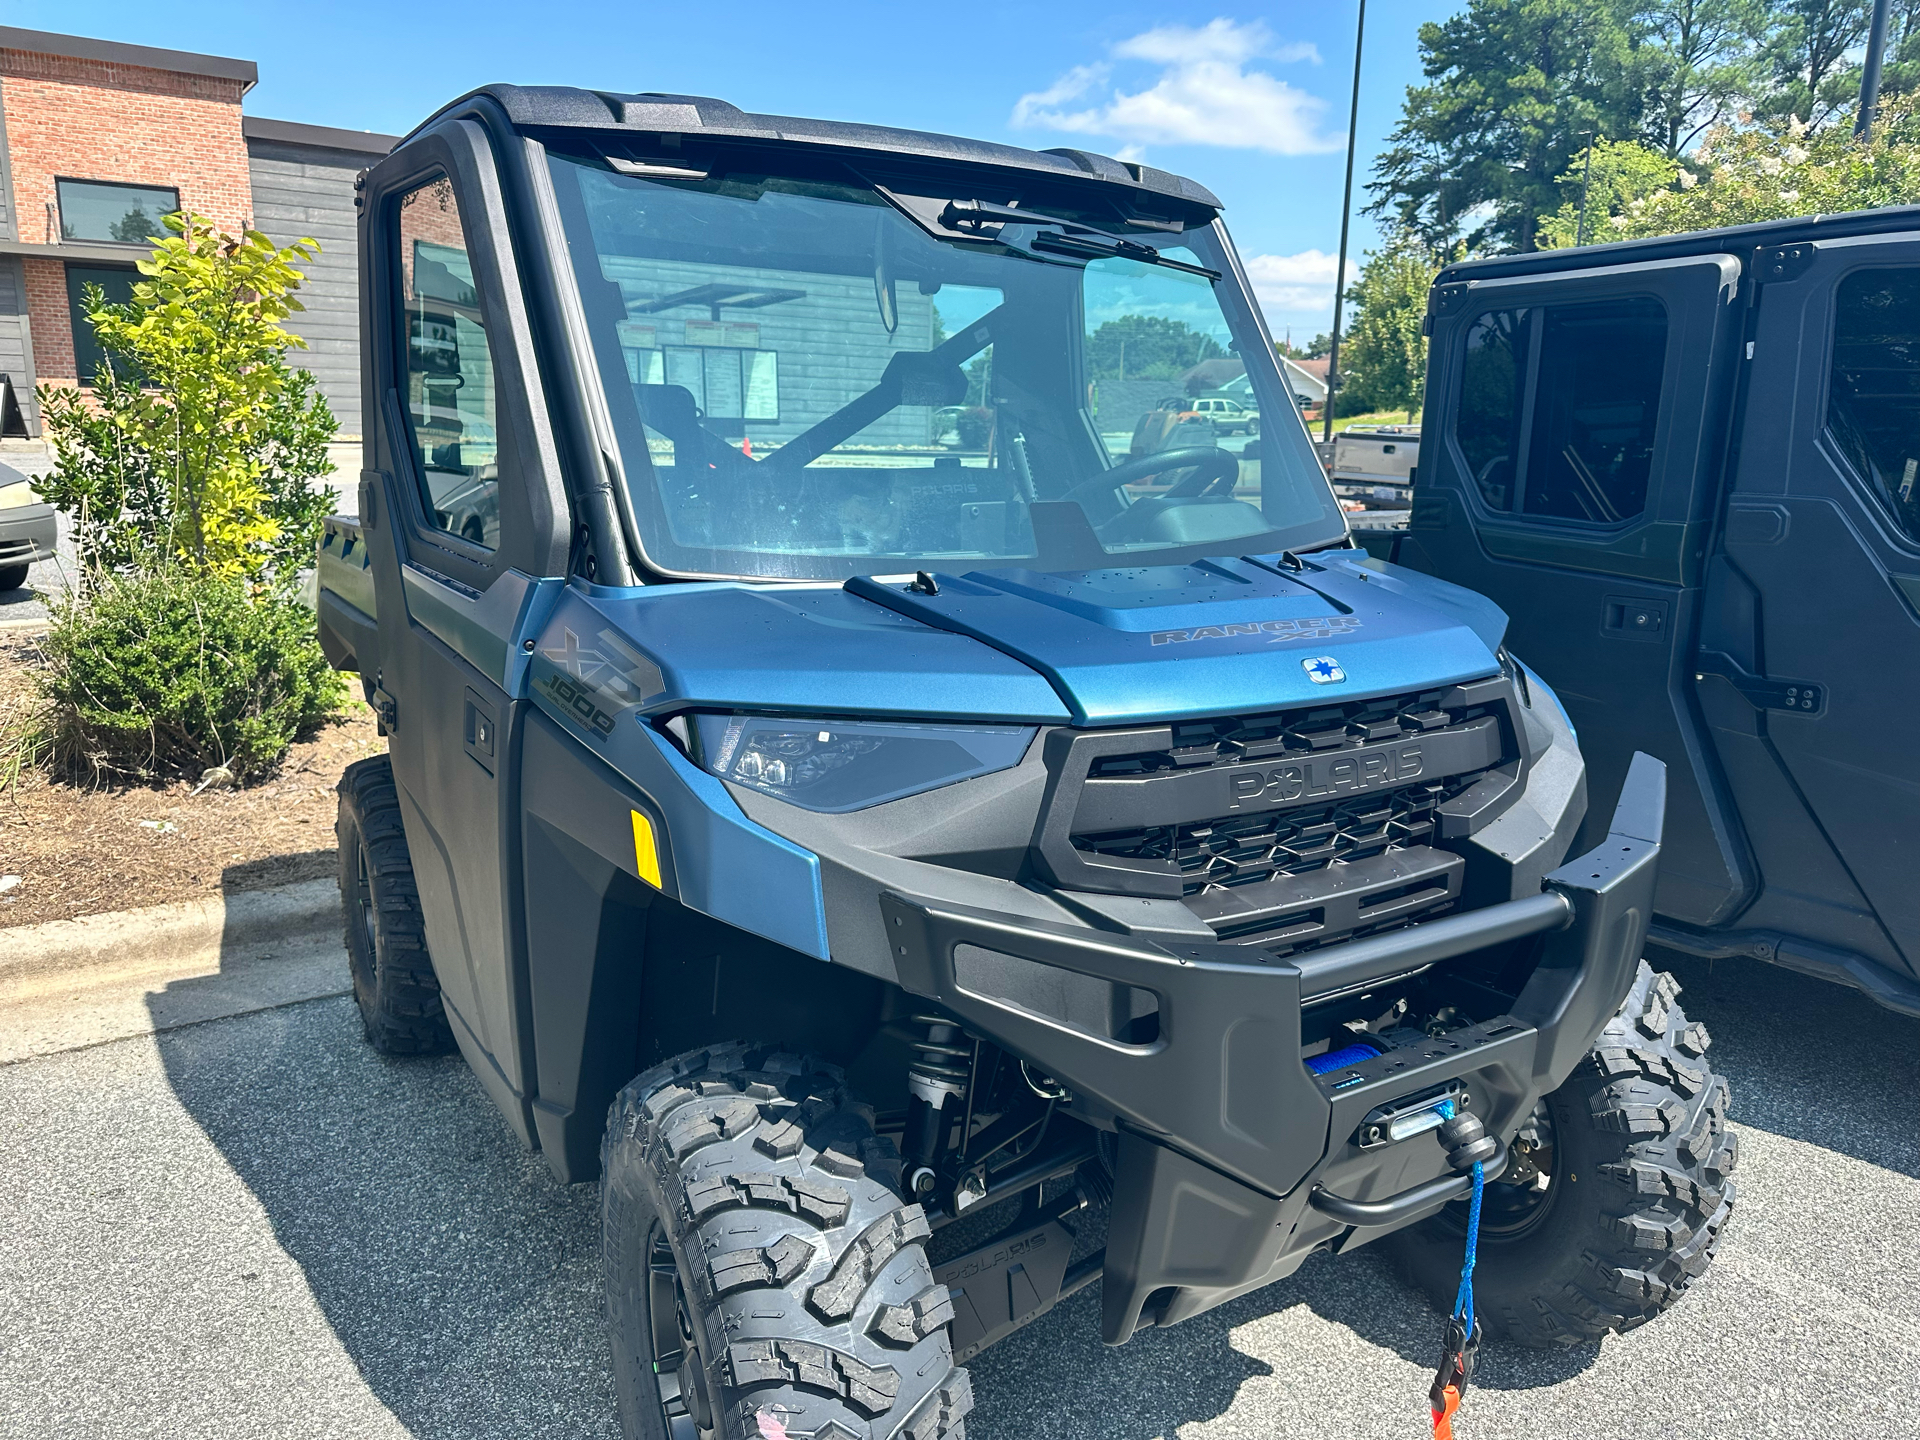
480	557
1537	308
403	347
60	209
1878	505
76	322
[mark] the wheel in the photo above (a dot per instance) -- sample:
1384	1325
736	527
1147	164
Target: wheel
12	577
764	1277
1616	1194
393	978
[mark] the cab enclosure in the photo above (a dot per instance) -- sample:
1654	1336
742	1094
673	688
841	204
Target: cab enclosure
1686	468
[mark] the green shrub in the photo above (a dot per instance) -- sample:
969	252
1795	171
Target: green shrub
164	674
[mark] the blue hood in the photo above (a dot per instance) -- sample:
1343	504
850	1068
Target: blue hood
1099	647
1217	636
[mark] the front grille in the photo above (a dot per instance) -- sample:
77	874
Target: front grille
1247	849
1292	830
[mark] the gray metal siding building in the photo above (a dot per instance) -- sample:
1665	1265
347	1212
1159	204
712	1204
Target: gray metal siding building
303	179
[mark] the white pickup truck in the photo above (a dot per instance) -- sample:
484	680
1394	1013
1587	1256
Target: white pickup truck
1372	467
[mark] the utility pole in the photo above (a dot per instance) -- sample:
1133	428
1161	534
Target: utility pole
1346	213
1870	72
1586	173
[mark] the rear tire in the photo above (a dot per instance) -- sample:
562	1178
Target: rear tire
12	577
764	1278
1637	1157
393	978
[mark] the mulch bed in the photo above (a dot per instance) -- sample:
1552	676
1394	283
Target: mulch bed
80	851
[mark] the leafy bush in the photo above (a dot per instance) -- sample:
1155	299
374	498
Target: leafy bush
165	674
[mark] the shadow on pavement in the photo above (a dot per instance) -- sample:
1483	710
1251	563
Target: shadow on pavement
464	1281
459	1276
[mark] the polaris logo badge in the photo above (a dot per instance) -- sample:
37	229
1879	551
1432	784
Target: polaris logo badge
1323	670
1324	777
1277	631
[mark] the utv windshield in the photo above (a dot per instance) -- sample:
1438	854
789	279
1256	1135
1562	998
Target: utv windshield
807	384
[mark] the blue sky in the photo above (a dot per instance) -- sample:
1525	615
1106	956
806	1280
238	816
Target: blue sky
1249	99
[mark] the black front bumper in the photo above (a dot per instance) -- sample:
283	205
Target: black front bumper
1224	1133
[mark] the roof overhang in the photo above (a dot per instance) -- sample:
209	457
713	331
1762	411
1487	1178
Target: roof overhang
114	52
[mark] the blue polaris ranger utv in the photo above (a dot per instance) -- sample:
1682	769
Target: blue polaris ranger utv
879	783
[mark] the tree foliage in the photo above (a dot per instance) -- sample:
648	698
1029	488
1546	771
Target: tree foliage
1513	85
1147	347
1740	176
1515	89
1383	357
1622	174
200	443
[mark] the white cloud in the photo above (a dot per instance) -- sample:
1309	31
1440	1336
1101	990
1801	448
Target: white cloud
1297	284
1204	94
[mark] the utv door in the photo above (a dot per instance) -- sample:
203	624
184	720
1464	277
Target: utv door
462	483
1811	652
1571	479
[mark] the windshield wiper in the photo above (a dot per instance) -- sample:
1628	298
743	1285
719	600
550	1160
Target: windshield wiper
1071	238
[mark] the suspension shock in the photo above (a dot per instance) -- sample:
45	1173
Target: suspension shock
941	1071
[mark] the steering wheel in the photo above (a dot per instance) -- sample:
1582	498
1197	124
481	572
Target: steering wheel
1212	467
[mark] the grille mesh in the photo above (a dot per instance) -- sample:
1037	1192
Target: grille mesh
1246	849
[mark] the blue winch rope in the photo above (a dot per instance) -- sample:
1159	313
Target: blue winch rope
1463	1301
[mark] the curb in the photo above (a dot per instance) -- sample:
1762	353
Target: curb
161	935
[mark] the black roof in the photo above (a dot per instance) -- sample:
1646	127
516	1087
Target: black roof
1740	240
114	52
318	137
562	107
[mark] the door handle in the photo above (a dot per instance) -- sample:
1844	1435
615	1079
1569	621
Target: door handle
1798	696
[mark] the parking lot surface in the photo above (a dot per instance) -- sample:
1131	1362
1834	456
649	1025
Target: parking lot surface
256	1227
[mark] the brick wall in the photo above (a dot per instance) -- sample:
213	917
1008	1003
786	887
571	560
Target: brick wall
96	120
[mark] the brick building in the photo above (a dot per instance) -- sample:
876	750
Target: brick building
99	139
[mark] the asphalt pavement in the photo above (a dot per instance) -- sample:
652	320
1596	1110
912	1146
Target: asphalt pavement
257	1227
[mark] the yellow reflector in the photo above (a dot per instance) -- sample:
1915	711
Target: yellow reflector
646	855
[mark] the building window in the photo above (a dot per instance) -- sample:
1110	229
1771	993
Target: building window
123	214
117	282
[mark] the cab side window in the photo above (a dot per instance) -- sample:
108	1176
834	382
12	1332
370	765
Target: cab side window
1559	406
1594	409
1493	385
449	390
1873	399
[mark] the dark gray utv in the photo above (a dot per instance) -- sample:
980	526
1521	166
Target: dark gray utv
1687	468
851	773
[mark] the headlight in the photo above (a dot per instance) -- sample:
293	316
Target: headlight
833	766
17	494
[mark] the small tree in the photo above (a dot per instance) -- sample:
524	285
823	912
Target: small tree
1383	361
188	477
199	444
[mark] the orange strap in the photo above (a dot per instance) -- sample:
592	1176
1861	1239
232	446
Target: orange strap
1443	1419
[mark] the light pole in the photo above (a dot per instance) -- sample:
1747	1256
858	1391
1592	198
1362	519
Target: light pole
1346	212
1586	174
1870	72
